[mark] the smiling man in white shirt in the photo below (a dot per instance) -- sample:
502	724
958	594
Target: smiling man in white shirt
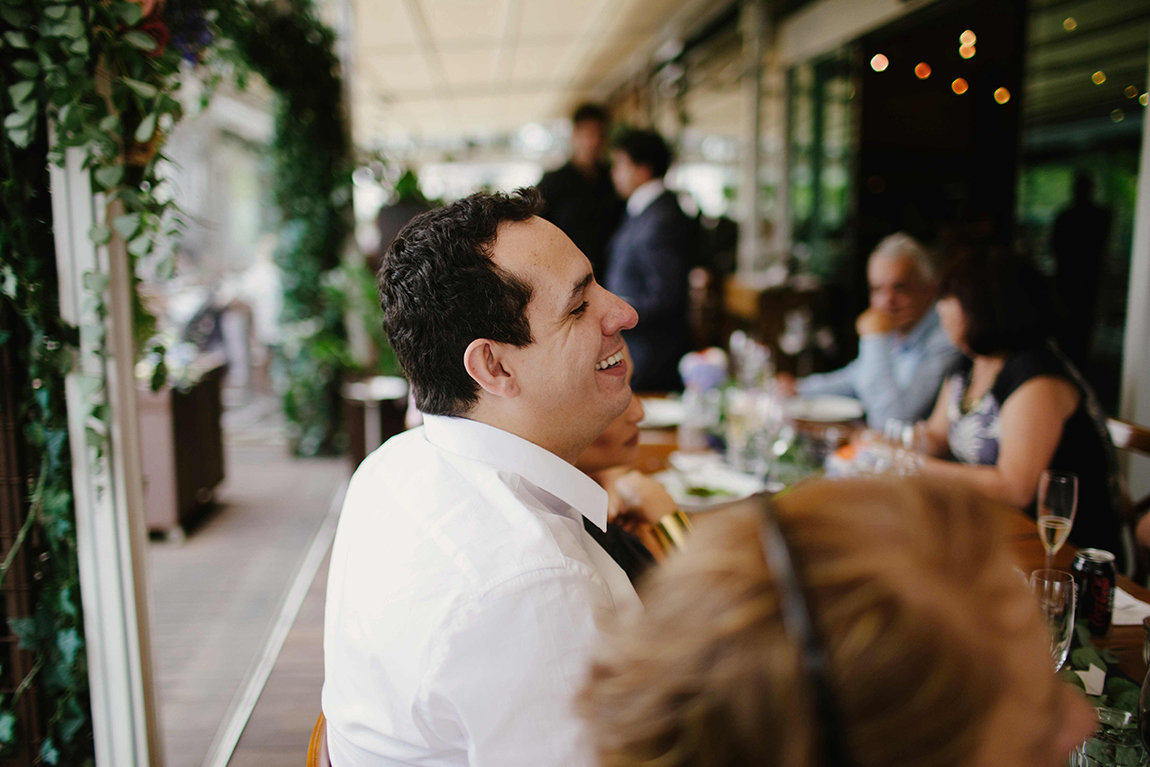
464	592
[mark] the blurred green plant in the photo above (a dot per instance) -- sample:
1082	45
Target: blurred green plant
293	50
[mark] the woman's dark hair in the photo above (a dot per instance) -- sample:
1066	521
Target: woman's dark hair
646	147
440	291
1008	303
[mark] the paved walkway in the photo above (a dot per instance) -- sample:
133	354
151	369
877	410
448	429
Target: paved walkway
216	595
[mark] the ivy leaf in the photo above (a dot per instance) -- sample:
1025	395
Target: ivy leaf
110	123
17	17
48	753
141	89
146	129
131	13
55	12
110	176
8	281
21	137
100	235
141	40
7	728
68	642
166	269
95	282
79	47
21	90
16	120
127	225
26	67
17	39
140	245
72	25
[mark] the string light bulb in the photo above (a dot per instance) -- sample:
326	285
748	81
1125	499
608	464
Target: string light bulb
960	86
1131	92
922	70
1098	77
879	62
1002	95
1069	24
968	38
967	51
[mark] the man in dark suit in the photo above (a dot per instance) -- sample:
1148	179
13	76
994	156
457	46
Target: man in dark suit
648	260
579	196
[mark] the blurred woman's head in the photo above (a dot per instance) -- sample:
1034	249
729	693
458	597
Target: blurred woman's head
937	654
995	303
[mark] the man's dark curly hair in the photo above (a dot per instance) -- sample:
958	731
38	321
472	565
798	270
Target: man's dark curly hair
440	291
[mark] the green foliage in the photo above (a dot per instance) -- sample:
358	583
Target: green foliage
294	52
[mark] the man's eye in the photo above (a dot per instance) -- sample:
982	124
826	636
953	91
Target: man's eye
580	310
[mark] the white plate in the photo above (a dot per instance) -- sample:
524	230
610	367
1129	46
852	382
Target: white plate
731	486
828	408
662	413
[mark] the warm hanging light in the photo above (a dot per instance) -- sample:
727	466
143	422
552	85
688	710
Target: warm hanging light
1144	99
879	62
1098	77
968	38
960	86
1131	92
922	70
1069	24
967	51
1002	95
1117	115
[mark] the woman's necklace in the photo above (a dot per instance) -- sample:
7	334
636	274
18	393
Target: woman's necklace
982	376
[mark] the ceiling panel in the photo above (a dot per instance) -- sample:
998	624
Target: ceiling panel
468	67
381	25
401	73
450	19
462	66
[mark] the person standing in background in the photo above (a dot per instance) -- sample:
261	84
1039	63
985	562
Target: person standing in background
579	197
648	260
1079	241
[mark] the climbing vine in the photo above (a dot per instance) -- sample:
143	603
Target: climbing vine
101	76
293	50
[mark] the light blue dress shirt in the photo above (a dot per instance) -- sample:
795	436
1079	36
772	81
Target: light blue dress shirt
894	376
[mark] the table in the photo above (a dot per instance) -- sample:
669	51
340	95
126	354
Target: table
656	446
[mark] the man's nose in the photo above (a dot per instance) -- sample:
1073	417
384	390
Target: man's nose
620	316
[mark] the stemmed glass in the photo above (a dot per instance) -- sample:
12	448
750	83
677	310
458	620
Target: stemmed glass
1057	502
1055	592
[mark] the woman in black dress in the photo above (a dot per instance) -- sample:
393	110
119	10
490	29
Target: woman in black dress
1019	407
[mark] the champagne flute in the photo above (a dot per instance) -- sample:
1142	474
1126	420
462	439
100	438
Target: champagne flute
1055	592
1057	502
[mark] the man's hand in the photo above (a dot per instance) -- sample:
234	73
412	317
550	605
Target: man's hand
786	384
874	322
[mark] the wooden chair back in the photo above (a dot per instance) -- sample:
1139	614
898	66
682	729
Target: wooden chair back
317	750
1129	436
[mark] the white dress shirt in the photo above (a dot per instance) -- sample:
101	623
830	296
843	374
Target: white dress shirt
644	195
462	603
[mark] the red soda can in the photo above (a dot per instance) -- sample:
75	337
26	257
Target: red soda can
1095	580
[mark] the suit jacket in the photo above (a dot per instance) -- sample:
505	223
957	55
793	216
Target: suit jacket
647	264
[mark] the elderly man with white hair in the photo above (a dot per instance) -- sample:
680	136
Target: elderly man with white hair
904	355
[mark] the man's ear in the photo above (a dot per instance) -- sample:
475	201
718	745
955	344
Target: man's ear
484	362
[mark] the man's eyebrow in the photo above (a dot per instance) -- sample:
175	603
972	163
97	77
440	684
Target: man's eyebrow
580	286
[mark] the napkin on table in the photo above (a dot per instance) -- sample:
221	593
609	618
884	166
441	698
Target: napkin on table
1129	611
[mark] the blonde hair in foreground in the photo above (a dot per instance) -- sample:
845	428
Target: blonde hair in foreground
905	579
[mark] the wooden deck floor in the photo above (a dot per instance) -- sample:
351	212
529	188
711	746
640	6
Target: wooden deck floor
217	594
281	723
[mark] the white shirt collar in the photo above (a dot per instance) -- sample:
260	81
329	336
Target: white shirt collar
507	452
642	197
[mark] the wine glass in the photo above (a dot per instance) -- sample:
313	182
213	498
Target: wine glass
1057	502
1055	592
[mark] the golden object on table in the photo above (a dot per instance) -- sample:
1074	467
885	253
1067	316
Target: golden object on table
672	530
